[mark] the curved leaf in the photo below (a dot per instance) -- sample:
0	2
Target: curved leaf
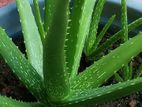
8	102
79	28
117	36
21	66
103	69
79	98
31	35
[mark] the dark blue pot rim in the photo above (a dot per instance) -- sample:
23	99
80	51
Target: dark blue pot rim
114	7
9	18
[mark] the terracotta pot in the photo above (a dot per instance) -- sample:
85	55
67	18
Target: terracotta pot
5	2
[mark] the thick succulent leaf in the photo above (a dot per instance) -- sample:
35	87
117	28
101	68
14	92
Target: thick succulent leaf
8	102
21	66
116	37
38	19
71	37
103	69
94	27
78	98
55	76
49	9
31	35
79	28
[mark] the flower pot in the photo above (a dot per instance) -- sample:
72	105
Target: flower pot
114	7
9	18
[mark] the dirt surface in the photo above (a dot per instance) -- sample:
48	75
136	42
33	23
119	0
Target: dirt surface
134	100
11	86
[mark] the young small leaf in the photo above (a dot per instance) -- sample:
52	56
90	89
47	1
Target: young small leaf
124	20
39	20
102	34
117	36
91	39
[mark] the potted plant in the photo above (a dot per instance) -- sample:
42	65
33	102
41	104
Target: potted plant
54	49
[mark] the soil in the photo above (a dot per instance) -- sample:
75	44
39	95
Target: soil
134	100
11	86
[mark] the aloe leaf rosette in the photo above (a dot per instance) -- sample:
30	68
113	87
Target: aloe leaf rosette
54	47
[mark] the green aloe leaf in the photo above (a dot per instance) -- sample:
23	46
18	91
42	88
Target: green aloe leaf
47	16
79	27
55	76
102	34
8	102
31	35
125	35
48	10
91	39
103	69
39	20
117	36
124	20
21	66
78	98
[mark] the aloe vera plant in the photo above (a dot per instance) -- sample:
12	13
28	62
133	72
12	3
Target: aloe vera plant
54	50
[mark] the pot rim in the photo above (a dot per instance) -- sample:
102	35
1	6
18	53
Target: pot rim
10	19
